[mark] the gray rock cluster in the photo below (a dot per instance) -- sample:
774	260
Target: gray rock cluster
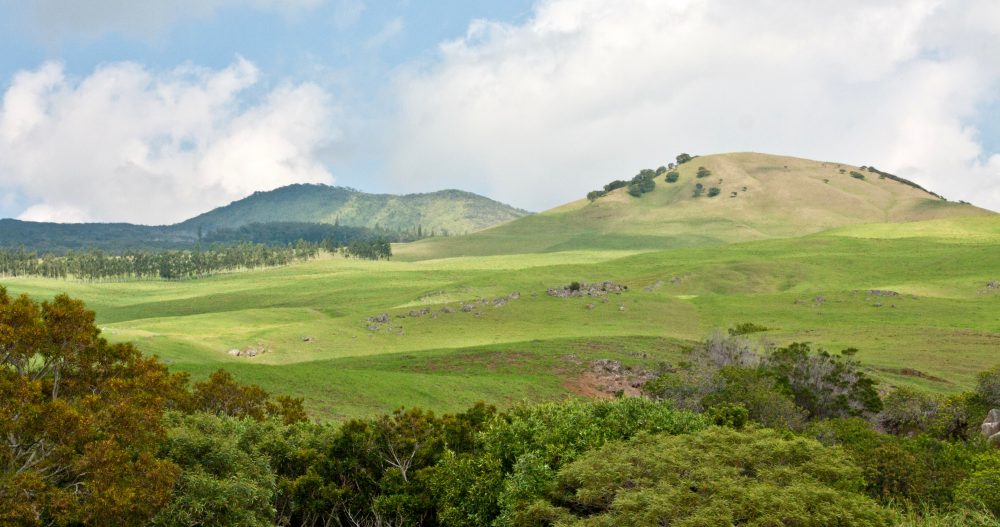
384	321
584	289
249	351
881	292
993	284
991	428
614	377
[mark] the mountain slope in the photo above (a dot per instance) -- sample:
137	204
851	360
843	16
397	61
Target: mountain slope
760	196
444	212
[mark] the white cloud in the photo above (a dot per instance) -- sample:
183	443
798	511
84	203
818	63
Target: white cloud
141	18
587	91
128	144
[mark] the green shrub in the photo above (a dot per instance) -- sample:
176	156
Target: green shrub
857	175
672	177
988	386
703	172
982	487
718	476
698	190
906	411
746	328
713	192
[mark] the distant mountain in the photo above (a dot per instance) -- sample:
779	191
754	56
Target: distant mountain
283	210
443	212
736	197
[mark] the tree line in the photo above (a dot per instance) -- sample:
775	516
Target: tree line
180	264
643	182
740	433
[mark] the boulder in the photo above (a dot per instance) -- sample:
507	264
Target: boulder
991	427
234	352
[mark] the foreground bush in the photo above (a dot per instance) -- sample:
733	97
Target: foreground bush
717	476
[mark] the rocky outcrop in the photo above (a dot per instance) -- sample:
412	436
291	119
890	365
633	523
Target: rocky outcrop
991	428
584	289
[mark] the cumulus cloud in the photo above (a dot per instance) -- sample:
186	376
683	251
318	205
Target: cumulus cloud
129	144
587	91
141	18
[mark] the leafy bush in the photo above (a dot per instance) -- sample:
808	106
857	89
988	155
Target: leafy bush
713	192
672	177
595	194
746	328
906	411
857	175
988	386
698	190
824	385
717	476
617	184
683	158
982	487
703	172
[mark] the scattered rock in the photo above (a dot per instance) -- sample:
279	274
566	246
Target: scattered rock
379	319
447	309
819	300
583	289
653	287
308	339
613	377
993	284
418	312
675	280
467	307
621	307
234	352
590	306
514	296
880	292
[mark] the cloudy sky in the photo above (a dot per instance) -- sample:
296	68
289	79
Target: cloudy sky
151	112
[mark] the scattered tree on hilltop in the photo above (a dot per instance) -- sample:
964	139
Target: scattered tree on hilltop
683	158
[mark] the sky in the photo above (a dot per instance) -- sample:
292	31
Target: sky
152	112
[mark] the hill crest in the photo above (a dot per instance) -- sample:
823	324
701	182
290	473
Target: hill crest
757	196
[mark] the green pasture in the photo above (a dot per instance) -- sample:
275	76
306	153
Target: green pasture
939	330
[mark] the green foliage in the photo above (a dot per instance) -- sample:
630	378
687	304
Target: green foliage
824	385
766	403
982	488
614	185
369	249
906	411
698	190
595	194
672	176
746	328
466	488
661	170
988	386
717	476
917	471
857	175
714	191
703	172
226	479
683	158
733	415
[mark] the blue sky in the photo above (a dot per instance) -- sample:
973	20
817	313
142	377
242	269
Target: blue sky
154	111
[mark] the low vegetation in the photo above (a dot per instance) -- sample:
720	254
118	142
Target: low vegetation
97	434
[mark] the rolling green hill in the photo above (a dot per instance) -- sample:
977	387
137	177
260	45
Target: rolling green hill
760	197
443	212
824	257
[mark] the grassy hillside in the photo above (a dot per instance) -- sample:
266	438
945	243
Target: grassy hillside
446	211
939	326
760	197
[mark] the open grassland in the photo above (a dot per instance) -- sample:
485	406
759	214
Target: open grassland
941	327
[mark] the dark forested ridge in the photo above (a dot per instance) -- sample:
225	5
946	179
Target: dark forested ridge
297	212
